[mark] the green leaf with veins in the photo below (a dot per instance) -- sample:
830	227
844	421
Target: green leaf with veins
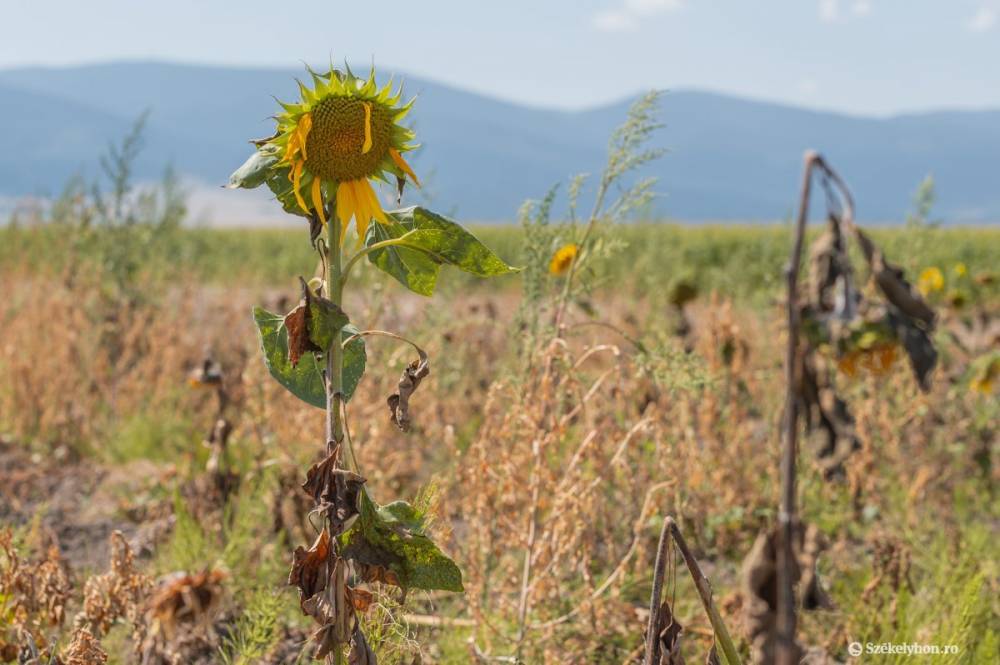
305	380
395	536
254	171
425	242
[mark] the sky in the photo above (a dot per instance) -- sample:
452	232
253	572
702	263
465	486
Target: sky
870	57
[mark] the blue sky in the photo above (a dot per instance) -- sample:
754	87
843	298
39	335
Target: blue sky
859	56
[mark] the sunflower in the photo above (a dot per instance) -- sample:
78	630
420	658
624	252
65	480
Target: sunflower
563	259
342	134
930	280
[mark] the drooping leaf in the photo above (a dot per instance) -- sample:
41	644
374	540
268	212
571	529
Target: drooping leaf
428	241
326	319
394	537
305	379
255	171
399	401
297	329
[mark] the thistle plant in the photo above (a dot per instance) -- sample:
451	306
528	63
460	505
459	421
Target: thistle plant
343	135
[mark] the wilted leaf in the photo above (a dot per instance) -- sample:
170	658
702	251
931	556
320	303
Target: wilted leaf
336	492
760	586
297	326
305	380
361	599
919	347
313	325
187	598
668	636
254	171
310	568
394	537
361	653
399	401
332	608
430	241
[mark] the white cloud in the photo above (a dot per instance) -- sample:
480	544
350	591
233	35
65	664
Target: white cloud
614	20
650	7
861	8
626	17
830	11
983	20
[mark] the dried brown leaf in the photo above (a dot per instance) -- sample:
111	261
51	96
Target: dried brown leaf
760	586
399	402
335	492
361	653
186	599
297	325
310	569
361	599
669	635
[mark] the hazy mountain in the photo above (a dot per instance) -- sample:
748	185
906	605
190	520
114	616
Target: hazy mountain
729	158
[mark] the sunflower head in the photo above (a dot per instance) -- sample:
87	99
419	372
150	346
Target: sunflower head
930	280
342	133
563	259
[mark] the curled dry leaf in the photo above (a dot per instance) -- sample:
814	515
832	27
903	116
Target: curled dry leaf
713	657
825	412
185	600
335	492
297	325
313	325
333	610
371	573
310	569
760	586
399	402
669	637
361	653
361	599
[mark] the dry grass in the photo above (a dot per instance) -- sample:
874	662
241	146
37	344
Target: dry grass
548	479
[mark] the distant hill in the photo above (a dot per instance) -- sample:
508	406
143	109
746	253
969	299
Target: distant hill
729	158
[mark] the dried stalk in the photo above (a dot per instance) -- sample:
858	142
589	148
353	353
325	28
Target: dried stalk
670	532
786	651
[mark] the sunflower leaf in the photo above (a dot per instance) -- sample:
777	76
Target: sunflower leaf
394	536
305	379
426	241
254	172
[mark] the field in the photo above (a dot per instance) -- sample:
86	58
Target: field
545	465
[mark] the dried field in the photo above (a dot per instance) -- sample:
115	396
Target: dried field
546	463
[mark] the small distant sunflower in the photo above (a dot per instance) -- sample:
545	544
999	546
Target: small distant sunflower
341	135
930	280
876	361
563	259
985	374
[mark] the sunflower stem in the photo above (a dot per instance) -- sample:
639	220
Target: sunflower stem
335	356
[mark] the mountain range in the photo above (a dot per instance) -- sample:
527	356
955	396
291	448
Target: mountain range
727	158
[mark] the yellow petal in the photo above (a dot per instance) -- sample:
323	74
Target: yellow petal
374	205
305	126
363	213
368	129
345	205
401	163
317	199
296	182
